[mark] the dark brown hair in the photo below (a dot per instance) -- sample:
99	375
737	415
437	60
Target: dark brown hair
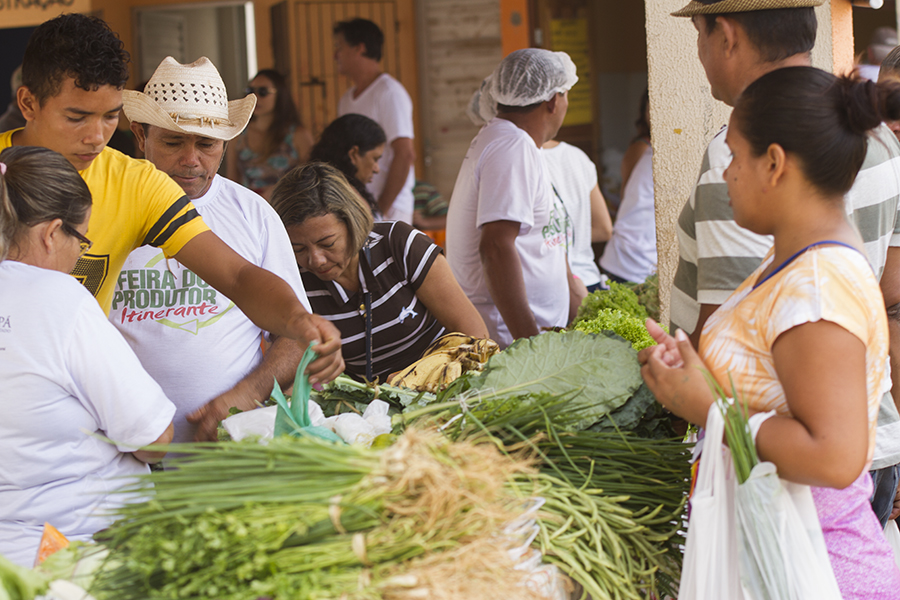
821	119
777	33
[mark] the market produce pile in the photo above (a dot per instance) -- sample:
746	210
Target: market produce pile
308	519
549	458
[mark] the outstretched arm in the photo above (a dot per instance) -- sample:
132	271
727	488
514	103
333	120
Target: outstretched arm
266	299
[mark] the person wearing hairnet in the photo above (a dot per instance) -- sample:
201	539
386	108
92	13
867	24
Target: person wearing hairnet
507	232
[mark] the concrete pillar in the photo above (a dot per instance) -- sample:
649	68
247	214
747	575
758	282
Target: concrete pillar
684	116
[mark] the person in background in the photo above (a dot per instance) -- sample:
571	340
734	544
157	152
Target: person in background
275	141
630	254
358	45
890	71
804	339
883	41
73	73
12	118
353	144
573	178
641	141
430	214
200	347
388	277
69	379
716	254
506	231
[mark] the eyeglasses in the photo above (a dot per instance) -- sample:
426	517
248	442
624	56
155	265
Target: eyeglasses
83	242
262	92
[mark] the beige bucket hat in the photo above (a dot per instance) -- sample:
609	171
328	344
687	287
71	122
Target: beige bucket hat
189	99
735	6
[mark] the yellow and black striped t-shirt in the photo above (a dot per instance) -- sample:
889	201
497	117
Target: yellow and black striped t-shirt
135	204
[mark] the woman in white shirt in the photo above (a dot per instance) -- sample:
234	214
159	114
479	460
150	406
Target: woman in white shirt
69	379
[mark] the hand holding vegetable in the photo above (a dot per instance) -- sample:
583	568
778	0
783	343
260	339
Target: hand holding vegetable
682	389
307	328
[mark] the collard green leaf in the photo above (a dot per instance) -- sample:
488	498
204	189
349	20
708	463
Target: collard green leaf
599	372
627	416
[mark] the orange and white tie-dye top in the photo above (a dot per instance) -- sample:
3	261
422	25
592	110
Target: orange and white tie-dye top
829	282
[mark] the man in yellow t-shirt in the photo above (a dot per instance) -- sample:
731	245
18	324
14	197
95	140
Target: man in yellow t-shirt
72	78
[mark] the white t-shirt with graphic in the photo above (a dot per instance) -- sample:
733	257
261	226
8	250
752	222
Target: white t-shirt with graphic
191	338
67	378
574	176
387	103
504	178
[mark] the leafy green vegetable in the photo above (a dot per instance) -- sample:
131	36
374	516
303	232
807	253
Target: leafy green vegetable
597	373
614	320
19	583
641	414
617	297
648	296
348	395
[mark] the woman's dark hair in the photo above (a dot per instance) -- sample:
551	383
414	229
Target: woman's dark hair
285	114
317	189
821	119
39	185
339	137
777	33
77	46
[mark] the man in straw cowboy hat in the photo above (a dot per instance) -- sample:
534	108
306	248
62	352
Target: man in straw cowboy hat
202	350
72	78
739	41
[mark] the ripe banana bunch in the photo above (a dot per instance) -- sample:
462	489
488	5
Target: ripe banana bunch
445	360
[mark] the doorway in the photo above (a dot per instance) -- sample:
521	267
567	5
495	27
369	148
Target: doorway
224	32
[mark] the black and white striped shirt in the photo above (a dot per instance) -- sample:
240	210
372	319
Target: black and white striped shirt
402	328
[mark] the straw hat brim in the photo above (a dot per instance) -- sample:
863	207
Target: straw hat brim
141	108
735	6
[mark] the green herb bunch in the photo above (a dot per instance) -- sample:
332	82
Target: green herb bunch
619	296
629	327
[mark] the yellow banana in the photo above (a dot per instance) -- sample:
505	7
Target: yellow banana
448	341
424	372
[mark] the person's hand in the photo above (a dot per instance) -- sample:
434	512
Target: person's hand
308	328
895	512
671	356
207	417
682	389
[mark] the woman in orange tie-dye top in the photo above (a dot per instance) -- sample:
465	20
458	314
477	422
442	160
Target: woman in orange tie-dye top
805	337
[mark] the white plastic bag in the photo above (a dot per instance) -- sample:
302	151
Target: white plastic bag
781	548
710	567
754	541
892	533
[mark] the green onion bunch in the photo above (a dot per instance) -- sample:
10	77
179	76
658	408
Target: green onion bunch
239	520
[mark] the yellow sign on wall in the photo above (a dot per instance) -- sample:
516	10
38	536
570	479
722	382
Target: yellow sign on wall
571	36
28	13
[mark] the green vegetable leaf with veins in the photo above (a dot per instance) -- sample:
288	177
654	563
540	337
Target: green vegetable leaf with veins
599	372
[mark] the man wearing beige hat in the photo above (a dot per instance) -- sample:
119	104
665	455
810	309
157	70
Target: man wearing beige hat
738	42
202	350
73	73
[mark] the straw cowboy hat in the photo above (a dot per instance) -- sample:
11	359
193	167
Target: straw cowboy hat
189	99
735	6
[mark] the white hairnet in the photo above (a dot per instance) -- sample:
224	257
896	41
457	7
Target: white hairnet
524	77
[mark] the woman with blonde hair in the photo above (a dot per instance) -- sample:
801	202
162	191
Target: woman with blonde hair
386	286
70	381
